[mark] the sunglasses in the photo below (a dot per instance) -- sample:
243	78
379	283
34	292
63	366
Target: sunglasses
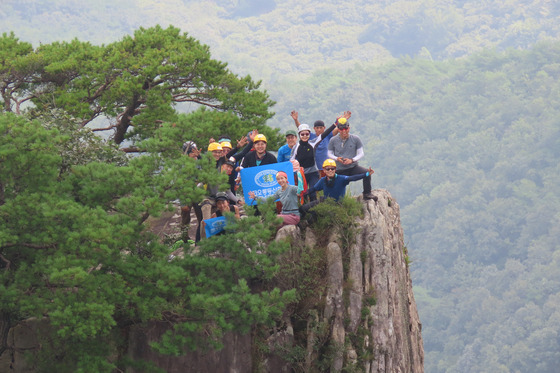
330	168
343	128
304	134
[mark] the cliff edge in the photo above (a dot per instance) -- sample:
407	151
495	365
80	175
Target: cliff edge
355	313
362	317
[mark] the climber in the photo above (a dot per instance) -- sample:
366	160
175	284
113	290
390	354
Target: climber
346	150
285	150
288	197
228	168
190	149
216	150
259	156
223	205
333	185
322	148
304	153
231	155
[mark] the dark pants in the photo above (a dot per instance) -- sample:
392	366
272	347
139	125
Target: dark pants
186	219
358	170
312	178
304	210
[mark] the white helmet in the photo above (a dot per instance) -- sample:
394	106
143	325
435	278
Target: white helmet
303	127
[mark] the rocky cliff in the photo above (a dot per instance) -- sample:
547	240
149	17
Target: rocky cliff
364	319
357	315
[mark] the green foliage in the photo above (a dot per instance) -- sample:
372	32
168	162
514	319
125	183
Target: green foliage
407	259
468	147
135	82
304	269
339	216
76	251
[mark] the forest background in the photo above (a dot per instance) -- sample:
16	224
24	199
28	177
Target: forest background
457	103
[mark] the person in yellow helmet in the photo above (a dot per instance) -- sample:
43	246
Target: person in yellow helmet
216	150
346	150
229	155
333	185
259	156
322	147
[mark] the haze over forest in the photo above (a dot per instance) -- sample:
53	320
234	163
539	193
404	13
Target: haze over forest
457	103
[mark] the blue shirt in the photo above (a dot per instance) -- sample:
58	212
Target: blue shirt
336	188
284	153
321	150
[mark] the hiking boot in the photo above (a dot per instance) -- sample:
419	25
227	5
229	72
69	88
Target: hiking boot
368	196
302	224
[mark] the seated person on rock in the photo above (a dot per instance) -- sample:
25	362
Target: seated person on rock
333	185
223	205
288	197
347	149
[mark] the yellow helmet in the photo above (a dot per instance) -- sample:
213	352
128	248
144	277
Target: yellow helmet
226	144
214	146
329	163
260	137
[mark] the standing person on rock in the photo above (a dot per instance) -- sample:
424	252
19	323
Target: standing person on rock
346	149
321	149
285	151
304	153
190	149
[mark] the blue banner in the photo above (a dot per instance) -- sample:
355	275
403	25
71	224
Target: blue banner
262	180
214	226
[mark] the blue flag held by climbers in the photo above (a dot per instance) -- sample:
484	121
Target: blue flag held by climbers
262	180
215	225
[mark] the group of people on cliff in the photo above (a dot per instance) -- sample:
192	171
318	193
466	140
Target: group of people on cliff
324	160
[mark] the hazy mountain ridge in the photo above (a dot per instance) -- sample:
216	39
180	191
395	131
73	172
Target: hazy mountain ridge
273	38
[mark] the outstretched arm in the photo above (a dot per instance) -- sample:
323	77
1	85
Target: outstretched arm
241	142
295	117
360	176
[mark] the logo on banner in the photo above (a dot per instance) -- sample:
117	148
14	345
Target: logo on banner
266	178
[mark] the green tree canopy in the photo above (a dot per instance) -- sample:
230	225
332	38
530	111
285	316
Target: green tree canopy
76	250
136	83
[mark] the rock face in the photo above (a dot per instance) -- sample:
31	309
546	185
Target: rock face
378	267
365	321
368	307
